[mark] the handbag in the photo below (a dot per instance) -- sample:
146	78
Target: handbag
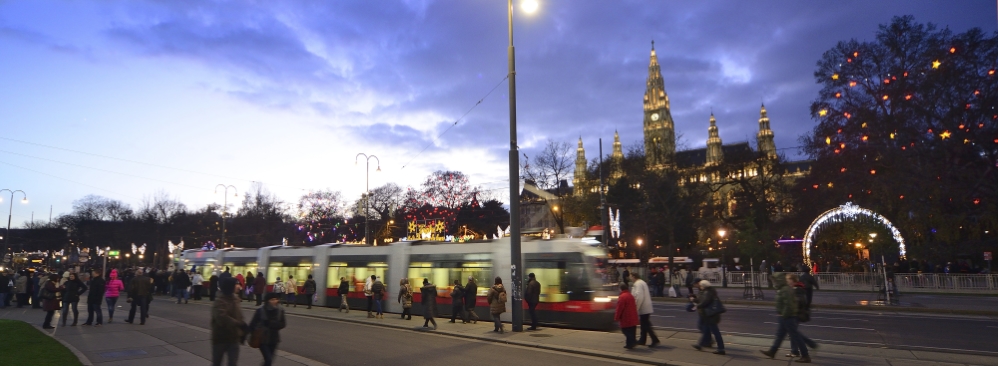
715	308
256	338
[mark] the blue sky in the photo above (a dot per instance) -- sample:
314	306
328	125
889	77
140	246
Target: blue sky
129	99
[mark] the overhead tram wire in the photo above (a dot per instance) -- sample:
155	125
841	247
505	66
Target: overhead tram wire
455	122
103	170
71	181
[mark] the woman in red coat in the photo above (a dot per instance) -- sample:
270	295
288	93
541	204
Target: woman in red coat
49	302
627	315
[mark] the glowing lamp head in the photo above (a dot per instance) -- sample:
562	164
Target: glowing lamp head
529	6
721	233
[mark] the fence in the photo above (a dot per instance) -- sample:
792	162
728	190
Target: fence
905	282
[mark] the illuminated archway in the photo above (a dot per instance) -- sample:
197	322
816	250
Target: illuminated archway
842	213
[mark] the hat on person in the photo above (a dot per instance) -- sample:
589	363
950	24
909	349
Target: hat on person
227	285
531	275
704	283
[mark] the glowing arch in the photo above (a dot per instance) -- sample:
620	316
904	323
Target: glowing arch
847	211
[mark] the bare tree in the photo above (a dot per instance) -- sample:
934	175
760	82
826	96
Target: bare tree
554	164
161	208
320	205
98	208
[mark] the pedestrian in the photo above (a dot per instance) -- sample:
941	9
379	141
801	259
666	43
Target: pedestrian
803	315
471	298
708	319
278	287
71	297
810	283
21	289
225	274
497	303
660	282
642	298
94	298
309	288
48	294
259	287
627	316
690	282
343	291
248	293
198	286
291	291
114	288
269	320
532	293
457	303
786	308
212	286
429	302
368	293
6	289
626	275
404	298
180	284
139	290
227	324
378	293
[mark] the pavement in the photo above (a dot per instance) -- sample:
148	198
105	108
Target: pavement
170	338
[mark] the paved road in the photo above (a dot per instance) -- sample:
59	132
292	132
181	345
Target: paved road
340	343
919	331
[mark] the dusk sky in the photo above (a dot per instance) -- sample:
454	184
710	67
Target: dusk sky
125	99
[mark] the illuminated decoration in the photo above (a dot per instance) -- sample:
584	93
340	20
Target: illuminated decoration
843	170
134	248
865	138
852	84
284	242
864	124
952	50
142	249
502	233
873	172
935	64
991	72
835	76
174	247
614	223
830	185
846	212
838	95
427	230
887	81
907	97
885	97
945	135
855	54
208	245
847	115
822	112
828	140
892	135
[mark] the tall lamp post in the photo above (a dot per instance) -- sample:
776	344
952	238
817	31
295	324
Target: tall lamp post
225	205
367	194
529	6
724	265
10	213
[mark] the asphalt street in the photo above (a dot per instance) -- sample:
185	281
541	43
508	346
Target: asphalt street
861	328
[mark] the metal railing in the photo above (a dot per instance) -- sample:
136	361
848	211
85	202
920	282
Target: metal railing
873	281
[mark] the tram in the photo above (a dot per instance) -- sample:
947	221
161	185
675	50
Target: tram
571	291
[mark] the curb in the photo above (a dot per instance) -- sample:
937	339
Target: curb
854	307
83	358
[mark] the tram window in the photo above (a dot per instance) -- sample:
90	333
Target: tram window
356	274
300	272
443	274
244	269
561	280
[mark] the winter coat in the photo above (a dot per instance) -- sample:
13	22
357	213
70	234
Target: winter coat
272	320
21	285
809	281
532	294
309	287
642	297
496	306
74	288
627	311
786	301
52	304
97	288
139	286
181	281
429	300
378	289
457	296
291	287
470	294
405	296
344	288
708	296
197	280
226	320
259	285
114	286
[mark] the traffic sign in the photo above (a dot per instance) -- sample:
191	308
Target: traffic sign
987	256
113	253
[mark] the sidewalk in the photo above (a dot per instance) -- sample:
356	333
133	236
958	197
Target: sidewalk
161	342
675	348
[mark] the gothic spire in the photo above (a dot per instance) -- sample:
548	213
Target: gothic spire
764	140
579	178
714	153
617	158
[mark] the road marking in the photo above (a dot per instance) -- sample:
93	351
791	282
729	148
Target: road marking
828	326
820	317
664	316
992	326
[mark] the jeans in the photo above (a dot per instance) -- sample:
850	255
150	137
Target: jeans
65	310
143	305
788	327
532	307
629	335
377	306
646	330
268	350
497	320
343	302
3	299
706	329
111	301
94	308
218	351
182	294
290	299
197	291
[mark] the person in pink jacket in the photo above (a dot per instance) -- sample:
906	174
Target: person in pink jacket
114	288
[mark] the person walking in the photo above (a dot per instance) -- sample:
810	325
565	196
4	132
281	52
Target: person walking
212	286
6	289
378	294
627	316
497	303
343	291
367	293
810	283
626	275
429	302
71	297
198	286
94	298
643	300
471	299
270	319
227	324
532	293
139	290
250	284
404	298
114	288
707	323
21	289
291	291
36	288
690	282
278	287
786	308
309	288
180	284
49	296
259	287
457	303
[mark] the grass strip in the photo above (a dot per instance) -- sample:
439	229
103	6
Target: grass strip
22	344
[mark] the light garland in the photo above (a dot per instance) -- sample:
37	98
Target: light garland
848	211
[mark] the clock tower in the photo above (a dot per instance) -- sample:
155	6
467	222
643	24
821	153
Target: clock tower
659	129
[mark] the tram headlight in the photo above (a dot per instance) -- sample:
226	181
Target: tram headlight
603	298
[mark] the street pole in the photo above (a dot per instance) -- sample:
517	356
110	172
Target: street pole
367	194
225	206
604	220
514	187
10	213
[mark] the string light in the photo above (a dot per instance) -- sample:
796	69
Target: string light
935	64
835	76
852	84
846	212
822	112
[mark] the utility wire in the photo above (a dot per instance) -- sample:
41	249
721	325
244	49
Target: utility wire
104	170
71	181
455	122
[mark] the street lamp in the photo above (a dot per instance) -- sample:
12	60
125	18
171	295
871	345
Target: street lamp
367	194
10	212
225	205
724	266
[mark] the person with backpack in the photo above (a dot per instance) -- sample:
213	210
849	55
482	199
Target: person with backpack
268	320
471	299
787	308
429	302
309	288
343	291
810	283
378	293
97	289
709	318
48	294
457	303
404	298
497	303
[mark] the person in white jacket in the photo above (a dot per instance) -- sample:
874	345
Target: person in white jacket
642	298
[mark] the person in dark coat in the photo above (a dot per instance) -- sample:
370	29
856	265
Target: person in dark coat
180	284
309	288
6	289
497	305
810	283
471	298
429	302
139	292
259	287
71	297
708	324
343	291
457	303
532	294
270	318
404	298
94	299
227	324
212	286
48	297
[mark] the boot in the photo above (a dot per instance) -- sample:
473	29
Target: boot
74	323
369	315
806	359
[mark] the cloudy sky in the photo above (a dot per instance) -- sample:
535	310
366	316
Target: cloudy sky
127	99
